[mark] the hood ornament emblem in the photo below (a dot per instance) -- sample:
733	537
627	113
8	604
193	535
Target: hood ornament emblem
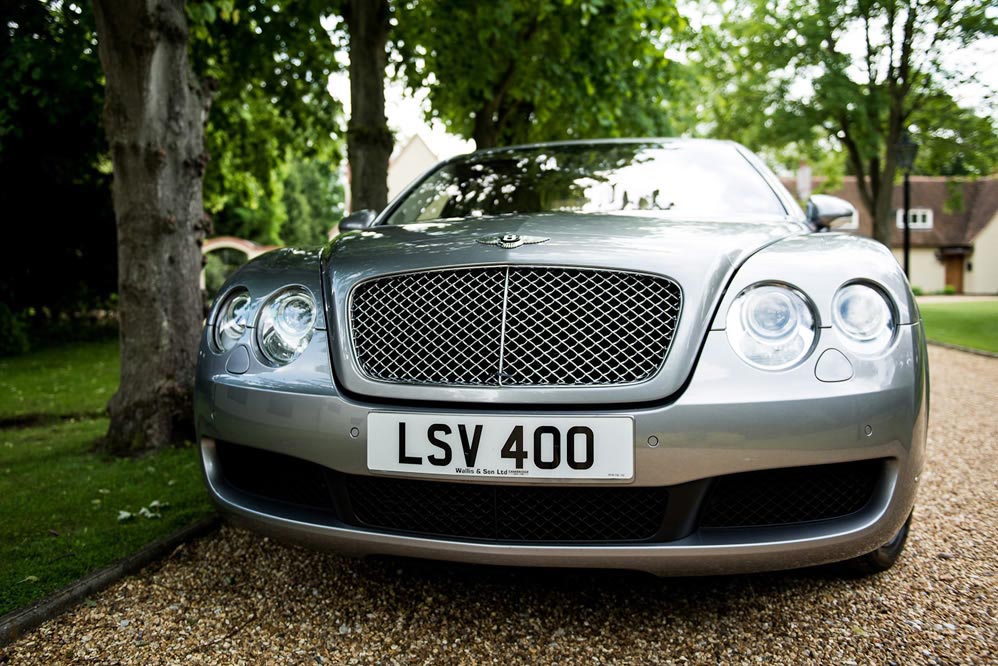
509	241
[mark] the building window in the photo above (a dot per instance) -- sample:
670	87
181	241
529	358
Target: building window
919	219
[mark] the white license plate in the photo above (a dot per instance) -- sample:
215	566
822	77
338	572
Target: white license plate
508	447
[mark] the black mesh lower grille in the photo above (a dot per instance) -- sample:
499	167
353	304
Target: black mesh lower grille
793	495
508	513
274	476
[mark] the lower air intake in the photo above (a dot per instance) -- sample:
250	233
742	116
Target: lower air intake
792	495
508	513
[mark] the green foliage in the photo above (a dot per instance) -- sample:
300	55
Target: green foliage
313	200
955	141
218	266
954	196
93	321
528	70
917	291
802	72
967	324
56	200
270	63
13	333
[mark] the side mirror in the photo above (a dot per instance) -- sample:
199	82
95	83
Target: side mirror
357	221
827	212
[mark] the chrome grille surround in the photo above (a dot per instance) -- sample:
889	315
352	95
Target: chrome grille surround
514	325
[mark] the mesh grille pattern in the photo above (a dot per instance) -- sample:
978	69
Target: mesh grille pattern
431	328
508	513
514	326
794	495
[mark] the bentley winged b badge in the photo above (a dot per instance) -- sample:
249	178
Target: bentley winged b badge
509	241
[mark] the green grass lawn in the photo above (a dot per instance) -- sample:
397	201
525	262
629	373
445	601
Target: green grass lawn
59	501
971	324
77	379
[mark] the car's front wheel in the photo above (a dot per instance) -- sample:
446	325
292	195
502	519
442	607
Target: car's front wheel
882	558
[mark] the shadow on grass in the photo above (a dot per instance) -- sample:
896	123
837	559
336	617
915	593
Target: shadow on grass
43	419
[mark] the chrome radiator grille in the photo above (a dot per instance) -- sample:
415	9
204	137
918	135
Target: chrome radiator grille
514	326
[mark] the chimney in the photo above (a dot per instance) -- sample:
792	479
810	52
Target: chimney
803	181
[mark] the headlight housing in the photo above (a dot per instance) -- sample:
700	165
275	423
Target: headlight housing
771	326
864	317
286	324
231	320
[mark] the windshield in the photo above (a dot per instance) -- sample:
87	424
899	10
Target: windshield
690	180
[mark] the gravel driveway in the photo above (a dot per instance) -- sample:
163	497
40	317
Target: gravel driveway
235	598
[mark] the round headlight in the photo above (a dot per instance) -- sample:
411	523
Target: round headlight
771	326
286	325
862	314
230	322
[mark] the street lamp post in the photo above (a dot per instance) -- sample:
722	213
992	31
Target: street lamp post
905	151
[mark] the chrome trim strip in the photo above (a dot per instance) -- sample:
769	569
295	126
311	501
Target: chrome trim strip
502	326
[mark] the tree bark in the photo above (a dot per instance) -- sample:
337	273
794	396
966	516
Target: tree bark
875	180
486	131
154	111
876	188
369	142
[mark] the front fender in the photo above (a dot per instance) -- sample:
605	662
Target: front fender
817	265
272	271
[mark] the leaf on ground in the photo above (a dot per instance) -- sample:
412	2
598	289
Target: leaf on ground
124	515
29	579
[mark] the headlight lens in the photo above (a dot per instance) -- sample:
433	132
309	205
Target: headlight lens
864	316
286	325
231	321
771	326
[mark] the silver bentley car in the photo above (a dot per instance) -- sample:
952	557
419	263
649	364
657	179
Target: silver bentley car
633	354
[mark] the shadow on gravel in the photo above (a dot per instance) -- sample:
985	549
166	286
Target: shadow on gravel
540	587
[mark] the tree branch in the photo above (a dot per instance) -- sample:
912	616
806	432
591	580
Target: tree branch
857	162
905	74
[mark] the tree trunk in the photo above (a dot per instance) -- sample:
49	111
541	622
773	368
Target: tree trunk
883	221
154	112
877	189
486	130
369	143
875	180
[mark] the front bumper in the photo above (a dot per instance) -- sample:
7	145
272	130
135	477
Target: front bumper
730	418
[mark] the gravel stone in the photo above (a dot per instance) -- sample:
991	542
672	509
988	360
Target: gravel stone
238	598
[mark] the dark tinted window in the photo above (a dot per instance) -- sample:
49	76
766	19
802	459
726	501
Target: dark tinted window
688	180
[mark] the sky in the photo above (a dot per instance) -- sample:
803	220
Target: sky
406	117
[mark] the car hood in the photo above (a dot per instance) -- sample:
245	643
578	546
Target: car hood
699	255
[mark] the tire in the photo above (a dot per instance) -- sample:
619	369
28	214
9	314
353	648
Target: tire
882	558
